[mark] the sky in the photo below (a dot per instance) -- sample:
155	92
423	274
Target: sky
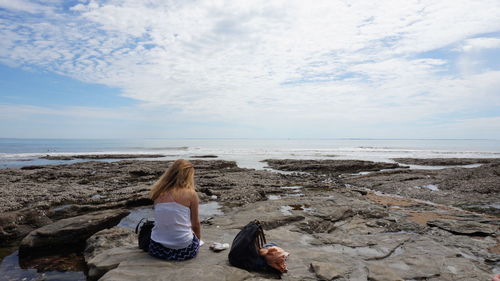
250	69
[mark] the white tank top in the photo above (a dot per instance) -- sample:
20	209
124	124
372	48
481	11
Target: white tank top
172	225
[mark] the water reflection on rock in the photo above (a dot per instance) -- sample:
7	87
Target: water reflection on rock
54	268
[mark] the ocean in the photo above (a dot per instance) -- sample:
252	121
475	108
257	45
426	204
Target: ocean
248	153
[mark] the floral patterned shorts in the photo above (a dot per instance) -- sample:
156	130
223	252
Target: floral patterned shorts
157	250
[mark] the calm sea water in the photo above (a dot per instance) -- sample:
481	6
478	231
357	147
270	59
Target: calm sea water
247	152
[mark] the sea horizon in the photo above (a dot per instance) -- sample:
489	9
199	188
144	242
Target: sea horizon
247	152
251	138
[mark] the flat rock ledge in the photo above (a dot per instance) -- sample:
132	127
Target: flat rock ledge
464	227
339	237
112	254
71	232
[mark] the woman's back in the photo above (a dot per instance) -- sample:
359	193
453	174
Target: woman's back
177	231
172	225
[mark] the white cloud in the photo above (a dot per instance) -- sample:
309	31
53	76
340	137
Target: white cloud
476	44
23	6
268	62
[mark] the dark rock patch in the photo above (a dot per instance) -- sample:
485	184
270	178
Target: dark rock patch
60	262
101	156
280	221
68	233
204	156
446	161
32	167
316	226
329	166
472	228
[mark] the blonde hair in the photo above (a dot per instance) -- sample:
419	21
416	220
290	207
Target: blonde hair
180	175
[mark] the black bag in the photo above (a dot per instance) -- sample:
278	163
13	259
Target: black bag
244	251
144	231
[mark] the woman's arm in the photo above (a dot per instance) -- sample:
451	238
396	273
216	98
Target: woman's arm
195	221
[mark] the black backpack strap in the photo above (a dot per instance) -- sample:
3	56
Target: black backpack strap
260	239
137	226
263	236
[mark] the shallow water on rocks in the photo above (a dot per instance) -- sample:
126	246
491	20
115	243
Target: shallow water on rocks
287	210
491	205
423	167
206	210
12	270
295	191
292	191
496	268
294	187
432	187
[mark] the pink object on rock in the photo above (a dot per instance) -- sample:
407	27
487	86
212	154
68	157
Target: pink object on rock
496	277
275	257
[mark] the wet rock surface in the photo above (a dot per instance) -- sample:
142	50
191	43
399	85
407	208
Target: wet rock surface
204	156
101	156
108	239
70	262
446	161
329	166
69	233
474	189
465	227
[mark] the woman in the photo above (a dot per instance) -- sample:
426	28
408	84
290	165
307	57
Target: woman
176	234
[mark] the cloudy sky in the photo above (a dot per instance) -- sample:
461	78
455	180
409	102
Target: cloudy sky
263	69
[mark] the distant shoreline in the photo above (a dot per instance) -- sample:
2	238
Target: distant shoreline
248	153
100	156
281	138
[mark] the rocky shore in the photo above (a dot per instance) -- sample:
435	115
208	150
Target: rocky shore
446	161
101	156
472	188
330	166
328	217
34	196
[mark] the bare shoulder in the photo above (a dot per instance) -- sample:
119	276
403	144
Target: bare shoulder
188	193
194	197
187	197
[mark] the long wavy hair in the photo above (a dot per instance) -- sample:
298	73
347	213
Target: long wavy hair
180	175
